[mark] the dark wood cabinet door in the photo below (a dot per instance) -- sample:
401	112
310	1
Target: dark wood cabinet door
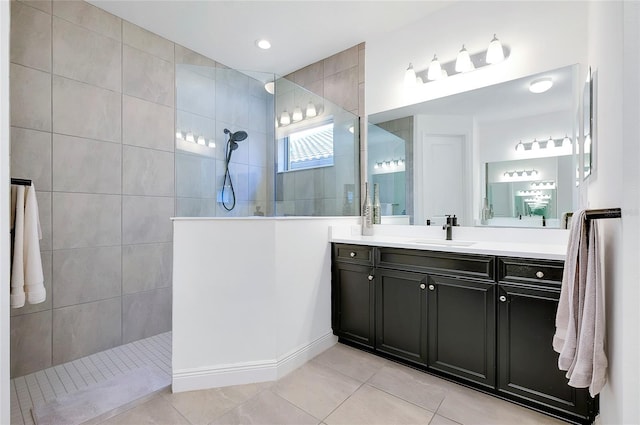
353	303
461	328
401	315
528	365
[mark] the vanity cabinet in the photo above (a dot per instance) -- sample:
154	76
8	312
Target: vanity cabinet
528	294
482	320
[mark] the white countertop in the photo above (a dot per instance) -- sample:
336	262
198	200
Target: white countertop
549	244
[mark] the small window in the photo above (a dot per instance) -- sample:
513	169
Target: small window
309	148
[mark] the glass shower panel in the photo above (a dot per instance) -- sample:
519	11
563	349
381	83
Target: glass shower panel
209	99
317	155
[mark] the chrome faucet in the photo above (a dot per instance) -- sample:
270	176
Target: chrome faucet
451	221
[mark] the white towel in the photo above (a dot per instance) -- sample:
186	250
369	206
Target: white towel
27	279
580	326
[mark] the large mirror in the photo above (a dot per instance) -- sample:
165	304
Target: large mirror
502	155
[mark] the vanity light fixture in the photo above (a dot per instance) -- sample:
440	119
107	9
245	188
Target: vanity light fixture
566	142
463	61
179	135
541	85
311	110
551	144
194	138
201	140
549	184
212	143
297	114
410	76
520	147
190	137
521	174
495	52
435	69
535	145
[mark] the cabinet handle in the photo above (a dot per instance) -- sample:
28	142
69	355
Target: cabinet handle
432	287
422	286
503	298
353	254
539	274
370	277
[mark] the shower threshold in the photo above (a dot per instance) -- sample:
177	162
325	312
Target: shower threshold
40	390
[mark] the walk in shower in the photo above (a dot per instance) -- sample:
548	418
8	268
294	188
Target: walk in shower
300	155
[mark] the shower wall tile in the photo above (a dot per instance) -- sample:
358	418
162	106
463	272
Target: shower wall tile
74	56
43	5
341	88
309	184
257	147
239	177
146	267
189	57
147	124
44	208
86	274
89	16
233	78
31	156
257	184
85	165
240	210
195	207
329	182
341	61
145	314
86	111
147	77
258	114
85	220
30	98
147	172
232	106
30	343
147	41
195	176
85	329
309	74
195	93
146	219
30	37
361	63
46	305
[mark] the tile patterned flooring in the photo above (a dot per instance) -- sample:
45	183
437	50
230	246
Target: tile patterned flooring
340	386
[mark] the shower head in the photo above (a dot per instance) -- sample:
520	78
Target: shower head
238	136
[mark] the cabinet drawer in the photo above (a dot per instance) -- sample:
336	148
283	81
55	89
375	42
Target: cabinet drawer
530	271
437	262
357	254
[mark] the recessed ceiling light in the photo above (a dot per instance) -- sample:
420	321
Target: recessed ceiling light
263	44
541	85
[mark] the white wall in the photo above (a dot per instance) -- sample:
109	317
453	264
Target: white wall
4	212
529	28
251	298
614	45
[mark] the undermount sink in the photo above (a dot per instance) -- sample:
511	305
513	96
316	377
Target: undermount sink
441	242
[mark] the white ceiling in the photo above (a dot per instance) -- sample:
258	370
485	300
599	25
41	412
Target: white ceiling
301	32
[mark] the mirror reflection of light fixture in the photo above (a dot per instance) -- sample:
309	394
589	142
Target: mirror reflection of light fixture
285	119
311	110
179	135
435	70
297	114
495	52
520	146
587	144
463	61
201	140
212	143
566	142
410	76
270	87
551	144
190	137
521	174
541	85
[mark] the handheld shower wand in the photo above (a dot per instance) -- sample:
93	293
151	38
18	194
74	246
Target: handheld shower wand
232	145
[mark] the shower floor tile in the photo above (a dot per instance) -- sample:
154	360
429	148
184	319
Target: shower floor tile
41	387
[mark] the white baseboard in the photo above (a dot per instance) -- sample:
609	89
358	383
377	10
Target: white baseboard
248	372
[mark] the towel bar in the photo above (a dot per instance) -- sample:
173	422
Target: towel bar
22	182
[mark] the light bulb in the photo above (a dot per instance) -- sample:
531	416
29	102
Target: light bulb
534	173
375	166
311	110
535	145
285	119
297	114
551	144
463	61
520	146
410	76
190	137
179	135
495	53
201	140
212	143
566	142
435	70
